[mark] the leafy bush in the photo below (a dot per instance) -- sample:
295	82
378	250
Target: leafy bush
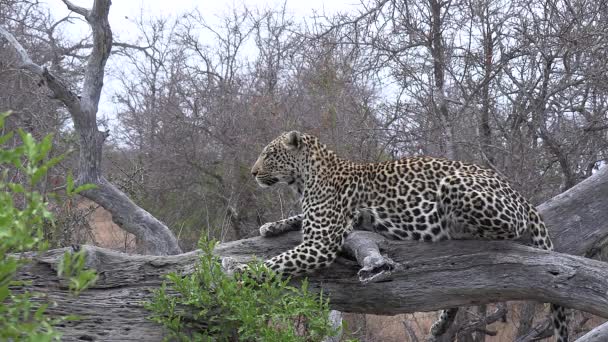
23	212
209	305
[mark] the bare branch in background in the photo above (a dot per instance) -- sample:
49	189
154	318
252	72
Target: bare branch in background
80	10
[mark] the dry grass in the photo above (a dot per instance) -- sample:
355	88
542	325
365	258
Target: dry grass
109	235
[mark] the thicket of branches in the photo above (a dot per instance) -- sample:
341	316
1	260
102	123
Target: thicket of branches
515	85
519	86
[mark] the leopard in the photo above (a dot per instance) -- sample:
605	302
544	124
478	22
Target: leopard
421	198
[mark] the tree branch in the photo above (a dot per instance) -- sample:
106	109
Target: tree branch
599	334
102	45
411	333
578	218
25	62
77	9
499	313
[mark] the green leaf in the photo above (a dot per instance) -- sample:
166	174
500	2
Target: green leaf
43	170
3	116
84	187
6	137
29	144
4	292
69	187
17	188
72	267
44	147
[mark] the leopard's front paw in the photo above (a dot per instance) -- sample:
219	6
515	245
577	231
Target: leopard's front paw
268	229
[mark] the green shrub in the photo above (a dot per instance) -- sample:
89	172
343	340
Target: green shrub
23	213
209	305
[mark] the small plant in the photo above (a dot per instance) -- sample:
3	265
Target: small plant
209	305
23	212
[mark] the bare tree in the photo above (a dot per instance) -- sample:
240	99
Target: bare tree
153	235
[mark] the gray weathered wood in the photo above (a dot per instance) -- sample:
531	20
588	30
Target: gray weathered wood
430	277
578	218
153	237
599	334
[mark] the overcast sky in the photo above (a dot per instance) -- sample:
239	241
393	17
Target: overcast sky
123	9
123	12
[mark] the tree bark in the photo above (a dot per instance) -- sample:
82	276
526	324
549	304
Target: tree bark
599	334
485	131
578	218
437	49
152	235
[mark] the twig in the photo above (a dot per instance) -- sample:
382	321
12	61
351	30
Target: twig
410	332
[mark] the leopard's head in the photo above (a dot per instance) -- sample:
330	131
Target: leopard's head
278	162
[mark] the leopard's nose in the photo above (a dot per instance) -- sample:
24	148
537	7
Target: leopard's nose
254	172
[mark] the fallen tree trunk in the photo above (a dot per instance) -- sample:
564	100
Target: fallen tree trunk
428	277
417	277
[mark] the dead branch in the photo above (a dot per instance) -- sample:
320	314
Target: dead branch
598	334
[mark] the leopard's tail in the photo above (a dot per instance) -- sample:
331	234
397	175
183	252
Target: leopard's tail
541	239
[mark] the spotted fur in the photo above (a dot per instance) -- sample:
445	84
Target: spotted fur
420	198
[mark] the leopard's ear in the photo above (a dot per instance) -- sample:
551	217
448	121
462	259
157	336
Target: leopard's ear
293	140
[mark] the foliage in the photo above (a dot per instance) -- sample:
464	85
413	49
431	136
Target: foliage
72	267
210	305
23	211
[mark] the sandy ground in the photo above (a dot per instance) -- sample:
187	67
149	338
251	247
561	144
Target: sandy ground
109	235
